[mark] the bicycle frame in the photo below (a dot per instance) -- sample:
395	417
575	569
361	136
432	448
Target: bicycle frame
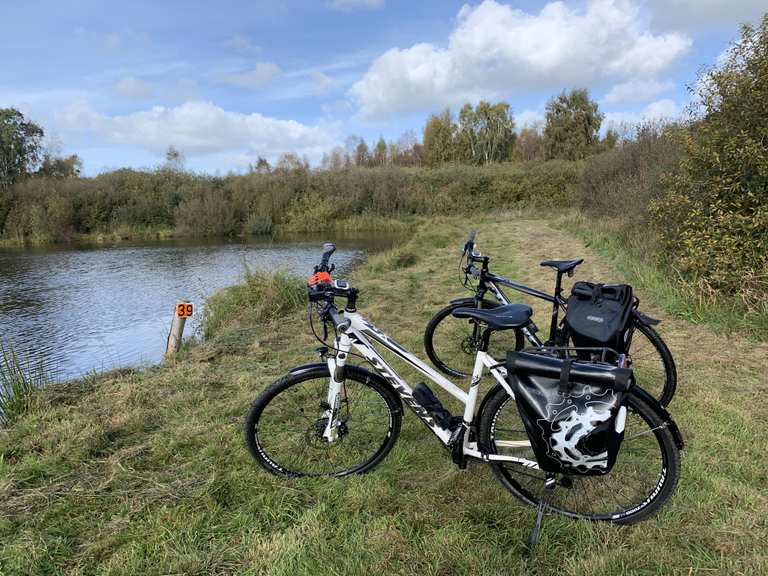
360	334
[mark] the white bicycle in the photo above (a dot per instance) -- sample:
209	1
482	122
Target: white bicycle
335	418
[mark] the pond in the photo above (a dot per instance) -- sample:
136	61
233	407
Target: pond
79	308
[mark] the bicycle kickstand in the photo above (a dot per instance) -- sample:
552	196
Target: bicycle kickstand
549	487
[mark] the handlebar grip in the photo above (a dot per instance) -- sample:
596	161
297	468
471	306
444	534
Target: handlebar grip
328	249
338	320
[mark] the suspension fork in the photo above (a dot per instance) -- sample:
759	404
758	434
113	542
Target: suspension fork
335	386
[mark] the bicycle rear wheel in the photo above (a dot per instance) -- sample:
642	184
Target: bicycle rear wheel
642	480
284	427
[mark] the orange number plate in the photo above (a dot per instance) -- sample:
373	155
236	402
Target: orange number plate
184	310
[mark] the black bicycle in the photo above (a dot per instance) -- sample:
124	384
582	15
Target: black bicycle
451	343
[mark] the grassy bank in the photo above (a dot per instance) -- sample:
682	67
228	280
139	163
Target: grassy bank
146	472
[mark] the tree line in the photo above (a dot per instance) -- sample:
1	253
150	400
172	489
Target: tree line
485	134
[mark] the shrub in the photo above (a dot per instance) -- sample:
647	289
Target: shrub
623	181
713	222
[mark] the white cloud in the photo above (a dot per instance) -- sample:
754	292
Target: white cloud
202	129
349	5
640	90
496	50
132	87
665	109
262	73
662	109
702	14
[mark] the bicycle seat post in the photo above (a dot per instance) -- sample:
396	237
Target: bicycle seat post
556	304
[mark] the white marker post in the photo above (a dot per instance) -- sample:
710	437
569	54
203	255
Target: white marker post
182	311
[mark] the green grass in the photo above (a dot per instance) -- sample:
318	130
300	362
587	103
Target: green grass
146	472
676	294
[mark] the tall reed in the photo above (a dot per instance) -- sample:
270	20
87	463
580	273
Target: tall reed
19	380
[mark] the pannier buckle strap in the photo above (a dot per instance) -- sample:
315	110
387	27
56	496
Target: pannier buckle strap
597	294
565	375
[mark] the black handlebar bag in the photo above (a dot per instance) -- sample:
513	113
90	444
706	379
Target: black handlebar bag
573	411
600	316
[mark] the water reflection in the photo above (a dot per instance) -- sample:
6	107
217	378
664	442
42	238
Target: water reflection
81	308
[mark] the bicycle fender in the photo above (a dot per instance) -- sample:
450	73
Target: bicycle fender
661	412
307	367
647	320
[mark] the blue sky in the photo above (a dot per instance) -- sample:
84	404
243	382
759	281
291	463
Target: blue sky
226	82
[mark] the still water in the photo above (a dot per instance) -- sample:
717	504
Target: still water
82	308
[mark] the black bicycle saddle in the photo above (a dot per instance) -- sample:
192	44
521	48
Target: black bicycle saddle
501	318
563	265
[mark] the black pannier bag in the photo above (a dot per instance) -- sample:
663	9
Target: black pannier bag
600	316
572	410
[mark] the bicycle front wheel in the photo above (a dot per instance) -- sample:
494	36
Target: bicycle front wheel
451	343
643	478
652	363
284	427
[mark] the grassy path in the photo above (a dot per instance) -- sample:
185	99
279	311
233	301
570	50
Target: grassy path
146	473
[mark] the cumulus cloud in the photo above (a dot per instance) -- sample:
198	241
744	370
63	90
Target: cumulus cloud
349	5
636	91
701	14
260	75
132	87
200	129
496	50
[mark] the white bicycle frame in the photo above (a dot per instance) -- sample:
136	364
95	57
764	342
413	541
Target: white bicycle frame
359	335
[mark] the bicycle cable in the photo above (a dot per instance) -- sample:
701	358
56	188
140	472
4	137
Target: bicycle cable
465	283
336	334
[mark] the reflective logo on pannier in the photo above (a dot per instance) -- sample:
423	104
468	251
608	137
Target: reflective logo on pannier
569	424
596	319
